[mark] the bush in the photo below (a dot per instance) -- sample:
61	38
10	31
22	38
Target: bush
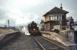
56	30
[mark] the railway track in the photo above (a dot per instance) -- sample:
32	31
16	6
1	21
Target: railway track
24	42
45	45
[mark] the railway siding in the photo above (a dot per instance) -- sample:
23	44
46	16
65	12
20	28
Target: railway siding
46	45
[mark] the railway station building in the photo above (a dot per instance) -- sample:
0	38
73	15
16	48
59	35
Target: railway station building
55	19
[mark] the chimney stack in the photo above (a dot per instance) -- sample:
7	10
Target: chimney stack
61	7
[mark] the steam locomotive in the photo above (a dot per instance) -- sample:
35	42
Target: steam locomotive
33	29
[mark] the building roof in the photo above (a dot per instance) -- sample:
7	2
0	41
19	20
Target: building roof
56	10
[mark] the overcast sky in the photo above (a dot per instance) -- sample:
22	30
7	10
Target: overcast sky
21	12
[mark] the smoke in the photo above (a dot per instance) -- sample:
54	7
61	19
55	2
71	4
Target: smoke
25	30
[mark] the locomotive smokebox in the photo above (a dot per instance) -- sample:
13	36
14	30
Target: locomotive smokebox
33	29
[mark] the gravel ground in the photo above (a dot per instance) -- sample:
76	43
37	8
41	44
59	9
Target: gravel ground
22	42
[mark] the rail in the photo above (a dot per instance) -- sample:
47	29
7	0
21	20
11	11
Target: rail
57	37
55	43
42	44
39	44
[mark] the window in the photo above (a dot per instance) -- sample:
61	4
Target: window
53	17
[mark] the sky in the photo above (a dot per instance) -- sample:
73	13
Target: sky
22	12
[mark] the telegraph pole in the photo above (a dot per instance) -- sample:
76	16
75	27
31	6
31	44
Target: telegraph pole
8	22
